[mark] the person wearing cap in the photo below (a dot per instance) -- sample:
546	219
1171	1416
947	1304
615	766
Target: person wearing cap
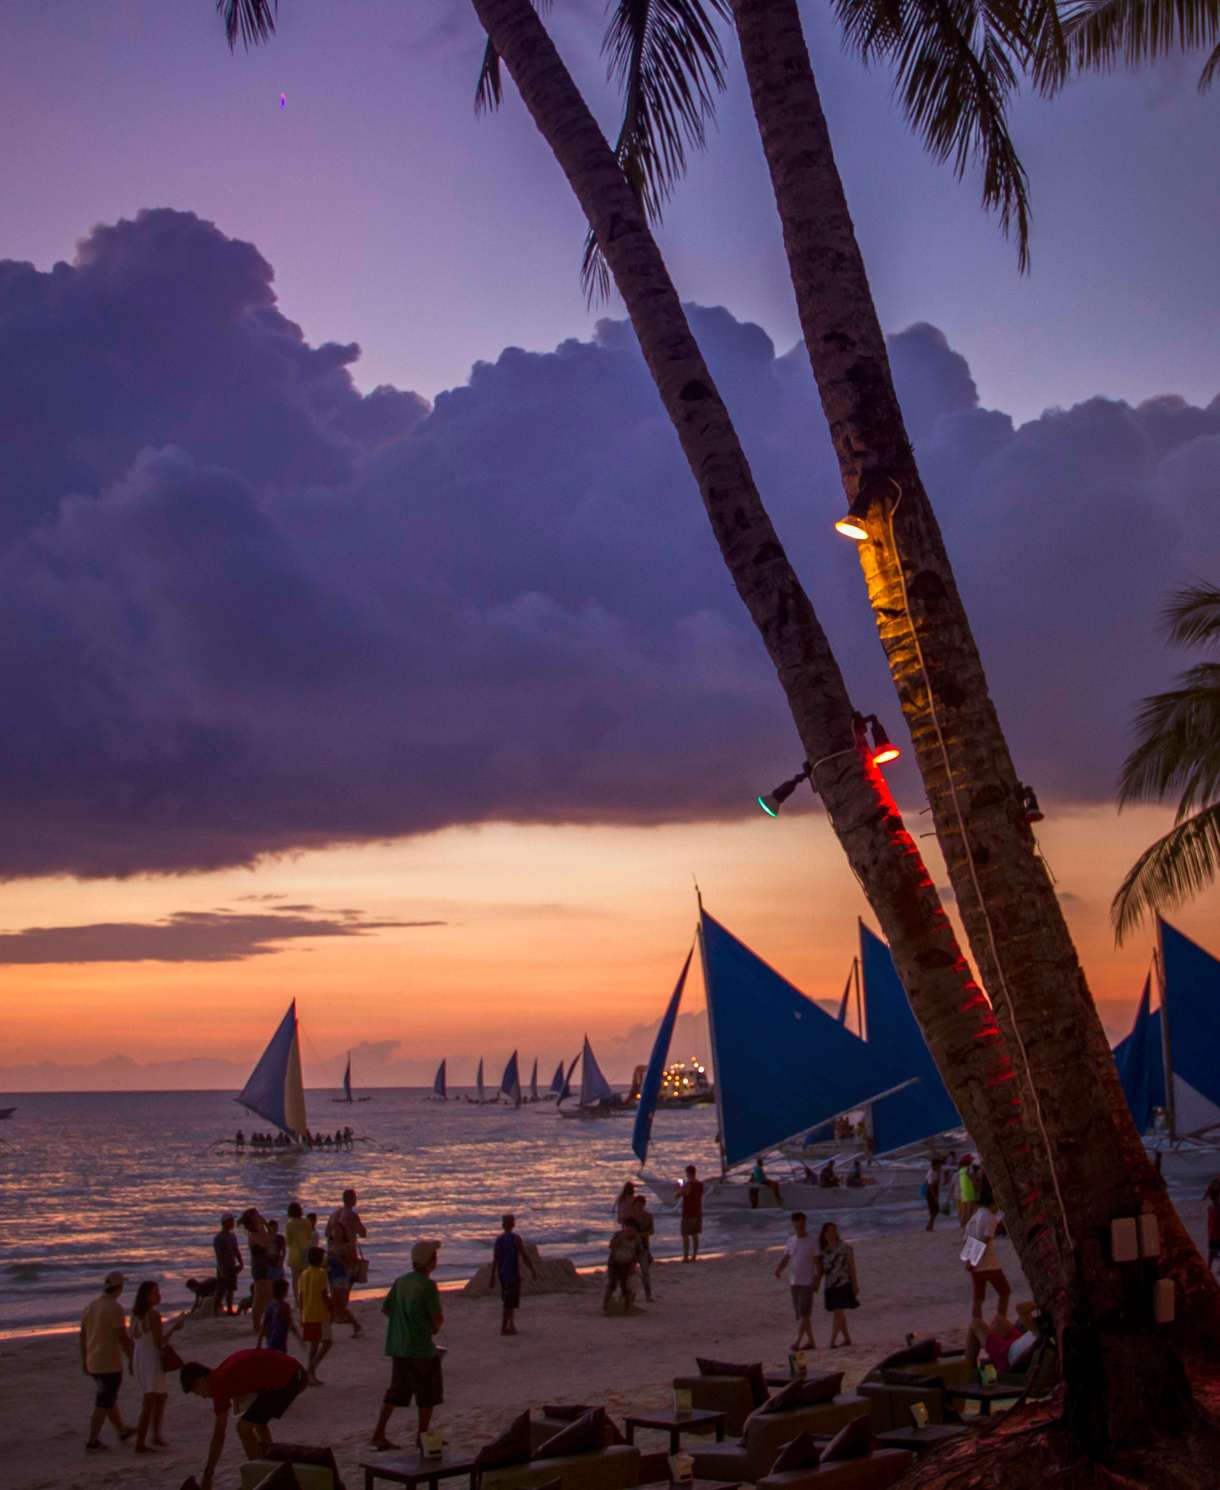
413	1308
104	1342
228	1263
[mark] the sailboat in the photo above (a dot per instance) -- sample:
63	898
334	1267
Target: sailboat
274	1091
347	1085
533	1096
597	1096
781	1066
482	1097
1171	1059
555	1090
440	1091
510	1082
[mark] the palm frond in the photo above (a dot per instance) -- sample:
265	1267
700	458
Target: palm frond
489	91
1172	871
955	68
1178	749
667	59
251	20
1192	617
1131	32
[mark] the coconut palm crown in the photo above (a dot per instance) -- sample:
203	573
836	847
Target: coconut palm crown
1178	754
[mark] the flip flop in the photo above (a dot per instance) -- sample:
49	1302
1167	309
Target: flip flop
384	1448
98	1448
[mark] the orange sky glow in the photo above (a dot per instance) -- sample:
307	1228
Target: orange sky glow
549	932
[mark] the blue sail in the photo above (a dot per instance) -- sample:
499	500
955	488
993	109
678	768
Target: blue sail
275	1091
557	1081
510	1082
1192	1012
595	1090
650	1089
439	1086
893	1032
534	1082
783	1065
1140	1059
565	1089
842	1016
479	1080
347	1078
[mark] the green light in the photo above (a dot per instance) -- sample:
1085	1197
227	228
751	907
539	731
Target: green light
767	809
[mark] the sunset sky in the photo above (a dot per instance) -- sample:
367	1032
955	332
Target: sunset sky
361	636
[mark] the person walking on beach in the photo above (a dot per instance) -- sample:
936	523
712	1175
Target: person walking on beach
626	1249
274	1380
931	1189
645	1228
967	1195
837	1267
298	1234
343	1231
508	1253
315	1312
624	1206
228	1264
104	1342
980	1257
413	1309
690	1192
149	1339
802	1252
277	1319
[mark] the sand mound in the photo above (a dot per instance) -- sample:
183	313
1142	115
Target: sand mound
555	1275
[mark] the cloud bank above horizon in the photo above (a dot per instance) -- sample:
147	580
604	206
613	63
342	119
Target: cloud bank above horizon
248	610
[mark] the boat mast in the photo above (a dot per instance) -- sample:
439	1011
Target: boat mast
1158	964
711	1030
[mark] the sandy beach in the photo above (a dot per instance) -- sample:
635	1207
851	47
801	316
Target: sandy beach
729	1306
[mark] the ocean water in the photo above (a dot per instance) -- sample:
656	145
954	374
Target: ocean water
101	1180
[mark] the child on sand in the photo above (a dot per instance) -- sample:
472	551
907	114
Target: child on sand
315	1313
277	1320
625	1252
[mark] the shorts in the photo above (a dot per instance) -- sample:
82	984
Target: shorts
802	1299
511	1297
227	1282
316	1330
979	1282
416	1376
268	1405
842	1296
692	1226
337	1274
108	1384
260	1268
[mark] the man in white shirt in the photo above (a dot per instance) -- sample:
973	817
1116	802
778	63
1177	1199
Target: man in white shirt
802	1252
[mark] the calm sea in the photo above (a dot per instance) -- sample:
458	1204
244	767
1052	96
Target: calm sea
102	1180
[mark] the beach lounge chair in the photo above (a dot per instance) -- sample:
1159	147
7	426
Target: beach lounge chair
875	1471
553	1419
731	1395
751	1456
313	1467
592	1458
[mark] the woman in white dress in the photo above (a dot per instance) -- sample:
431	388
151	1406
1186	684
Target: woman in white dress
150	1337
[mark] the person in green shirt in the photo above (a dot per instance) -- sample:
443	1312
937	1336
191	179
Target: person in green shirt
967	1194
413	1308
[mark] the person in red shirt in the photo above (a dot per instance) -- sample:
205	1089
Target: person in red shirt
274	1379
690	1193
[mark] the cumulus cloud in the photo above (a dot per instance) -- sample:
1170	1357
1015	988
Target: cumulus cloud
246	609
185	936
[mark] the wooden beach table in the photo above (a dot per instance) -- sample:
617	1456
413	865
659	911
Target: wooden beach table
985	1395
920	1439
415	1469
670	1420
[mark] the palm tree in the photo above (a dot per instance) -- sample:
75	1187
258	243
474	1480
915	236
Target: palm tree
1099	37
1059	1190
1178	754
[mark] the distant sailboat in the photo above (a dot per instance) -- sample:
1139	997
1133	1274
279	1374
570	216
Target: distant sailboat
534	1082
347	1085
597	1097
274	1091
481	1095
565	1086
650	1087
555	1090
510	1082
439	1088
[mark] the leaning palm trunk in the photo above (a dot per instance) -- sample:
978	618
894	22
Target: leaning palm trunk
1064	1070
955	1017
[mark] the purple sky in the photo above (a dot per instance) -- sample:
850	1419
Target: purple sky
394	219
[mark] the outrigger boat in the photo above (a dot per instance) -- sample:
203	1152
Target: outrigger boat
347	1085
598	1098
440	1090
1169	1064
783	1066
276	1094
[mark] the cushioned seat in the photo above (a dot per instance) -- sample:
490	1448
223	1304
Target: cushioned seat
890	1403
766	1433
308	1476
731	1395
953	1370
615	1468
875	1471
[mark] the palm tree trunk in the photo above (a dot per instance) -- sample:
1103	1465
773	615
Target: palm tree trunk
1013	920
956	1018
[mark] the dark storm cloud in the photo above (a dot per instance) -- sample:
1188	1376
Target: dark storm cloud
186	936
244	609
